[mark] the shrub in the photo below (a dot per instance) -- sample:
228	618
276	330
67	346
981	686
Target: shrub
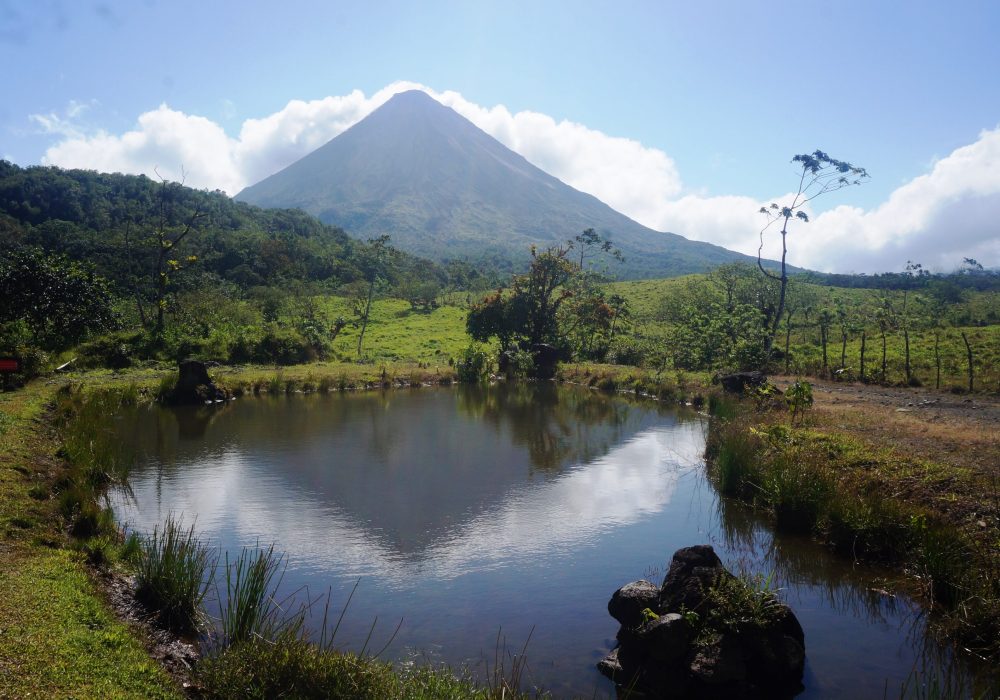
114	351
626	351
799	397
474	364
283	347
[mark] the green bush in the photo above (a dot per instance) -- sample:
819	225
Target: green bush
114	351
283	346
474	364
626	351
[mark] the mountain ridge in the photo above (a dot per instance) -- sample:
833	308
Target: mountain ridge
443	188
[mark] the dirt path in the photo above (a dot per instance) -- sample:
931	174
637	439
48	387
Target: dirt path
955	429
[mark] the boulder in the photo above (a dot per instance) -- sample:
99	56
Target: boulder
696	656
628	602
693	570
720	663
738	382
665	639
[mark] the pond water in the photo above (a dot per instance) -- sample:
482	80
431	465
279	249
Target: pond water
513	511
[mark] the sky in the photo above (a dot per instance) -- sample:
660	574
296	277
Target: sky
681	115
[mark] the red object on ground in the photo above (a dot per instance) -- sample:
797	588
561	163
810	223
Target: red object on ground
9	364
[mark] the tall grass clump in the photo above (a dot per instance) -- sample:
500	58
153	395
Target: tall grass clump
276	384
166	386
89	443
251	611
173	572
734	449
723	407
944	559
95	457
797	495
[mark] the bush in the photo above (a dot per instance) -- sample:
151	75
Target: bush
114	351
283	347
519	363
626	351
474	364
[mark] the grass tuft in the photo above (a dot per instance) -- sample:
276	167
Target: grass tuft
173	572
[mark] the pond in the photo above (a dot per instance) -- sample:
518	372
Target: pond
511	511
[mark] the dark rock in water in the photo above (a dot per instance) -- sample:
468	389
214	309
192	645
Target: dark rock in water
194	386
720	663
738	382
667	638
610	666
693	570
692	656
628	602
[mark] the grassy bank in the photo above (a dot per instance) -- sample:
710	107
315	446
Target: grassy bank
59	638
676	386
874	501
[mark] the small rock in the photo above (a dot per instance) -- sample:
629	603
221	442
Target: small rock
628	602
665	638
610	666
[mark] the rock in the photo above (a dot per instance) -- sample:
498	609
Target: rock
666	638
628	602
610	666
693	570
738	382
194	386
720	663
700	657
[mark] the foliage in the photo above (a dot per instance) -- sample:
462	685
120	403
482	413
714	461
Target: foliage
798	397
720	321
59	301
559	302
474	364
195	270
738	604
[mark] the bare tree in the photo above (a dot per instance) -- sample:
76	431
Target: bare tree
819	175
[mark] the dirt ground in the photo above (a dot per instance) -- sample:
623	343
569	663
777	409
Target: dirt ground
957	429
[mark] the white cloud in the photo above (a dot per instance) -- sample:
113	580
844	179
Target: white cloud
937	219
956	201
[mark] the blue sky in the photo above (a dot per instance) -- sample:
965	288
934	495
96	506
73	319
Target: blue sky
712	98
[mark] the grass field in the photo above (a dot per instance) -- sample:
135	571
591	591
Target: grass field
648	299
398	333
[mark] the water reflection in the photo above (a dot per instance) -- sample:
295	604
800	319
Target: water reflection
367	486
522	507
